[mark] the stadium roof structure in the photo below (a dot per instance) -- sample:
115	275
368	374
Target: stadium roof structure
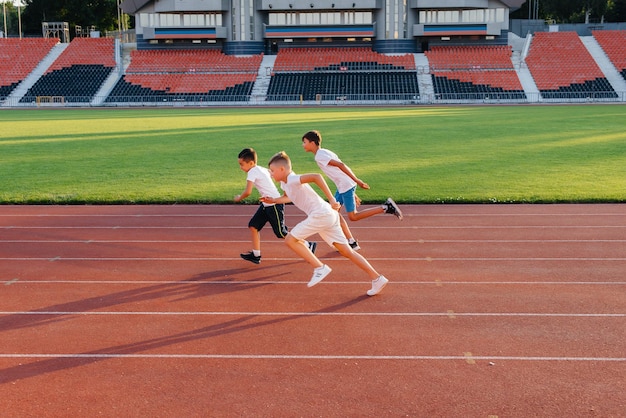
514	4
132	6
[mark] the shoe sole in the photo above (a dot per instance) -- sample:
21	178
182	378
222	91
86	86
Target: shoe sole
252	261
397	211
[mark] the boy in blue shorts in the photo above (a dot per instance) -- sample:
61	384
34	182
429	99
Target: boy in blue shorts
259	177
346	182
322	218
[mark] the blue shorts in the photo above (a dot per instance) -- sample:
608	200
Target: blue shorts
347	199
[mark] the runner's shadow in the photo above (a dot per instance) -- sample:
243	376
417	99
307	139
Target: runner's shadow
51	365
198	286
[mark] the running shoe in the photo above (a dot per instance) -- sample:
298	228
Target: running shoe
377	285
354	245
392	207
251	257
319	274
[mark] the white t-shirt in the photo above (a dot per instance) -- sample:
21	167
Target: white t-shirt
262	180
341	179
304	197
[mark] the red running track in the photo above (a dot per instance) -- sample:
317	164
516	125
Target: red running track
136	311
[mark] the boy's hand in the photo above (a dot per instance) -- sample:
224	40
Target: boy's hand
363	185
335	205
237	198
267	199
357	200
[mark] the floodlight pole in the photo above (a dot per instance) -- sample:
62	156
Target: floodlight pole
4	13
19	18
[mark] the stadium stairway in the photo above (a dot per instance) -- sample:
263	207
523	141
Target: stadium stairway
111	80
39	71
106	88
262	83
525	78
424	80
612	75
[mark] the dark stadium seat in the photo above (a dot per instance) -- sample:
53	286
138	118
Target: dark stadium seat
342	74
19	58
186	75
474	73
78	73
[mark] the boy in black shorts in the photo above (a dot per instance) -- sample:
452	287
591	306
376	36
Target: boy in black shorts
260	178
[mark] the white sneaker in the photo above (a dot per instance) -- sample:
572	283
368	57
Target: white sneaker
319	274
377	285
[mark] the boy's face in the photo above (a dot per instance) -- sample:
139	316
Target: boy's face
309	146
278	172
246	165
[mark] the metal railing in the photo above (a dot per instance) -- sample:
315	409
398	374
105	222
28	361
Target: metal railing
174	100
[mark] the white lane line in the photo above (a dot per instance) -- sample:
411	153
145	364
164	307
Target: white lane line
306	357
246	215
300	314
256	282
396	259
418	227
405	241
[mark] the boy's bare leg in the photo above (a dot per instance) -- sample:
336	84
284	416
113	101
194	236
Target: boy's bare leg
256	238
357	259
300	248
345	228
357	216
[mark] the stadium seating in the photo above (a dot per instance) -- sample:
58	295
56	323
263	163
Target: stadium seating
19	58
78	73
342	74
563	68
613	42
474	73
358	58
186	75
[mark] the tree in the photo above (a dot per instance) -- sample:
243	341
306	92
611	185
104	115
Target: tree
567	11
9	18
617	11
99	13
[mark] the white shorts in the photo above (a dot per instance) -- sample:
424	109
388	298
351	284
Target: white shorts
327	226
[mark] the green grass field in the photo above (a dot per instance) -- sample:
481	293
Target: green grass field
415	154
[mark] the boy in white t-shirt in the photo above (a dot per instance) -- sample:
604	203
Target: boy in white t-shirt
346	182
322	218
259	177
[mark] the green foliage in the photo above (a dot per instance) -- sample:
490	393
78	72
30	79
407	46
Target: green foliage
568	11
99	13
415	154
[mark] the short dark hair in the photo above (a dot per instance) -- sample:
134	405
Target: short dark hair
248	154
280	158
313	136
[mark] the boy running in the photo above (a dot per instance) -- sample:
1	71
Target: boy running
259	177
322	218
346	182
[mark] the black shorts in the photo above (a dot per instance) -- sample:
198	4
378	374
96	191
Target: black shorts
274	214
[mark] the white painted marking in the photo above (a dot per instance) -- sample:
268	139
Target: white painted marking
395	259
340	314
306	357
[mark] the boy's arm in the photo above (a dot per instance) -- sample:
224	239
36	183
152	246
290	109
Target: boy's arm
321	183
349	173
247	192
283	199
